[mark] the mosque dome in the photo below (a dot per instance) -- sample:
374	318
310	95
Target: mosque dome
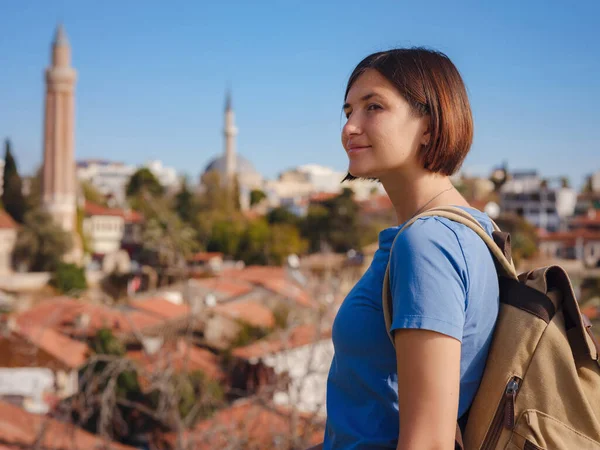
243	166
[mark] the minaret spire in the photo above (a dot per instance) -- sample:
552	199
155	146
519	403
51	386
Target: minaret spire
58	172
230	132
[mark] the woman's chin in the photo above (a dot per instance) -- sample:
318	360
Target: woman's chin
361	172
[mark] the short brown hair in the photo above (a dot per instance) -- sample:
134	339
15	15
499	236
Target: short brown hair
432	85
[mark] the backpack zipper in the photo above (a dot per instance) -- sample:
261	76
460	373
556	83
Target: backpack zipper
505	414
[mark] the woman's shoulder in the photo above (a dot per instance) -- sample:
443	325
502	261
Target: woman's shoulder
443	239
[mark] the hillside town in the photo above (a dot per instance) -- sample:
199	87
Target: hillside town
142	309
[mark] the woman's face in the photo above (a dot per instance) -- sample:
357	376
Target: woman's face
381	134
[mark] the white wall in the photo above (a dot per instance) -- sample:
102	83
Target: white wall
104	233
8	238
308	367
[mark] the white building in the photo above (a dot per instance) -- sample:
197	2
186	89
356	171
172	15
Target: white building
295	186
109	178
166	176
595	181
301	355
8	239
108	231
528	196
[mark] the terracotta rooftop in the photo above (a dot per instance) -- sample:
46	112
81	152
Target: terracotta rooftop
181	356
130	216
162	308
226	286
322	196
20	430
70	353
376	204
6	221
248	311
77	318
205	256
591	219
250	425
275	343
569	237
273	279
592	312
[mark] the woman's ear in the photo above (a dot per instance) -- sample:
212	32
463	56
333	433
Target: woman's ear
426	133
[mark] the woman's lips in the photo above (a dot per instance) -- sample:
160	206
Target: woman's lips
355	150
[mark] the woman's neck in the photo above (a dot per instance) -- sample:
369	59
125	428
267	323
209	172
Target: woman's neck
417	190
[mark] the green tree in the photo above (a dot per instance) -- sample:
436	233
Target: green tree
143	180
41	244
333	222
167	240
522	234
285	239
256	196
253	246
12	194
186	205
315	227
226	236
34	194
92	195
217	197
69	279
282	215
343	225
587	187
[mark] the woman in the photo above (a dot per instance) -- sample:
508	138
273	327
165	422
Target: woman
409	125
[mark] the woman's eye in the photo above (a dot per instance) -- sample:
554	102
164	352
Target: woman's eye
373	106
347	114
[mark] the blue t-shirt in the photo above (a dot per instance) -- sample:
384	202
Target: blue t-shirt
443	279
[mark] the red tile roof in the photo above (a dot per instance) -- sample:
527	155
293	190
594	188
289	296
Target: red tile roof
130	216
275	343
569	237
162	308
591	219
70	353
322	196
63	314
20	429
248	311
251	425
205	256
273	279
181	356
376	204
592	312
6	221
227	286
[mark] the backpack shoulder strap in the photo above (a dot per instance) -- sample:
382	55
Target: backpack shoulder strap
456	215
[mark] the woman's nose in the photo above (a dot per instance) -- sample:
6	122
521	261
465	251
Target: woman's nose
351	128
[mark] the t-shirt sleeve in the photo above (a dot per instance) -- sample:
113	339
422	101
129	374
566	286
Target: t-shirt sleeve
429	279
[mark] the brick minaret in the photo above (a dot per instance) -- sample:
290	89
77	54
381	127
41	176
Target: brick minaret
230	132
58	173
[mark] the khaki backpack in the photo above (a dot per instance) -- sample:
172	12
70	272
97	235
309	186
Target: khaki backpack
541	384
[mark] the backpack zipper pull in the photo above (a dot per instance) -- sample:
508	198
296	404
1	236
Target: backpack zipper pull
509	406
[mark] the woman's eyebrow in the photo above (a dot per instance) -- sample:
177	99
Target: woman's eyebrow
364	98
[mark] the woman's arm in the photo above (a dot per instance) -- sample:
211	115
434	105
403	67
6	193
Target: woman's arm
316	447
428	385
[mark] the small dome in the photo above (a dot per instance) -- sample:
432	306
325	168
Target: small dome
243	166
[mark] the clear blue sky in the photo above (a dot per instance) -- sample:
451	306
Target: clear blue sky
153	76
